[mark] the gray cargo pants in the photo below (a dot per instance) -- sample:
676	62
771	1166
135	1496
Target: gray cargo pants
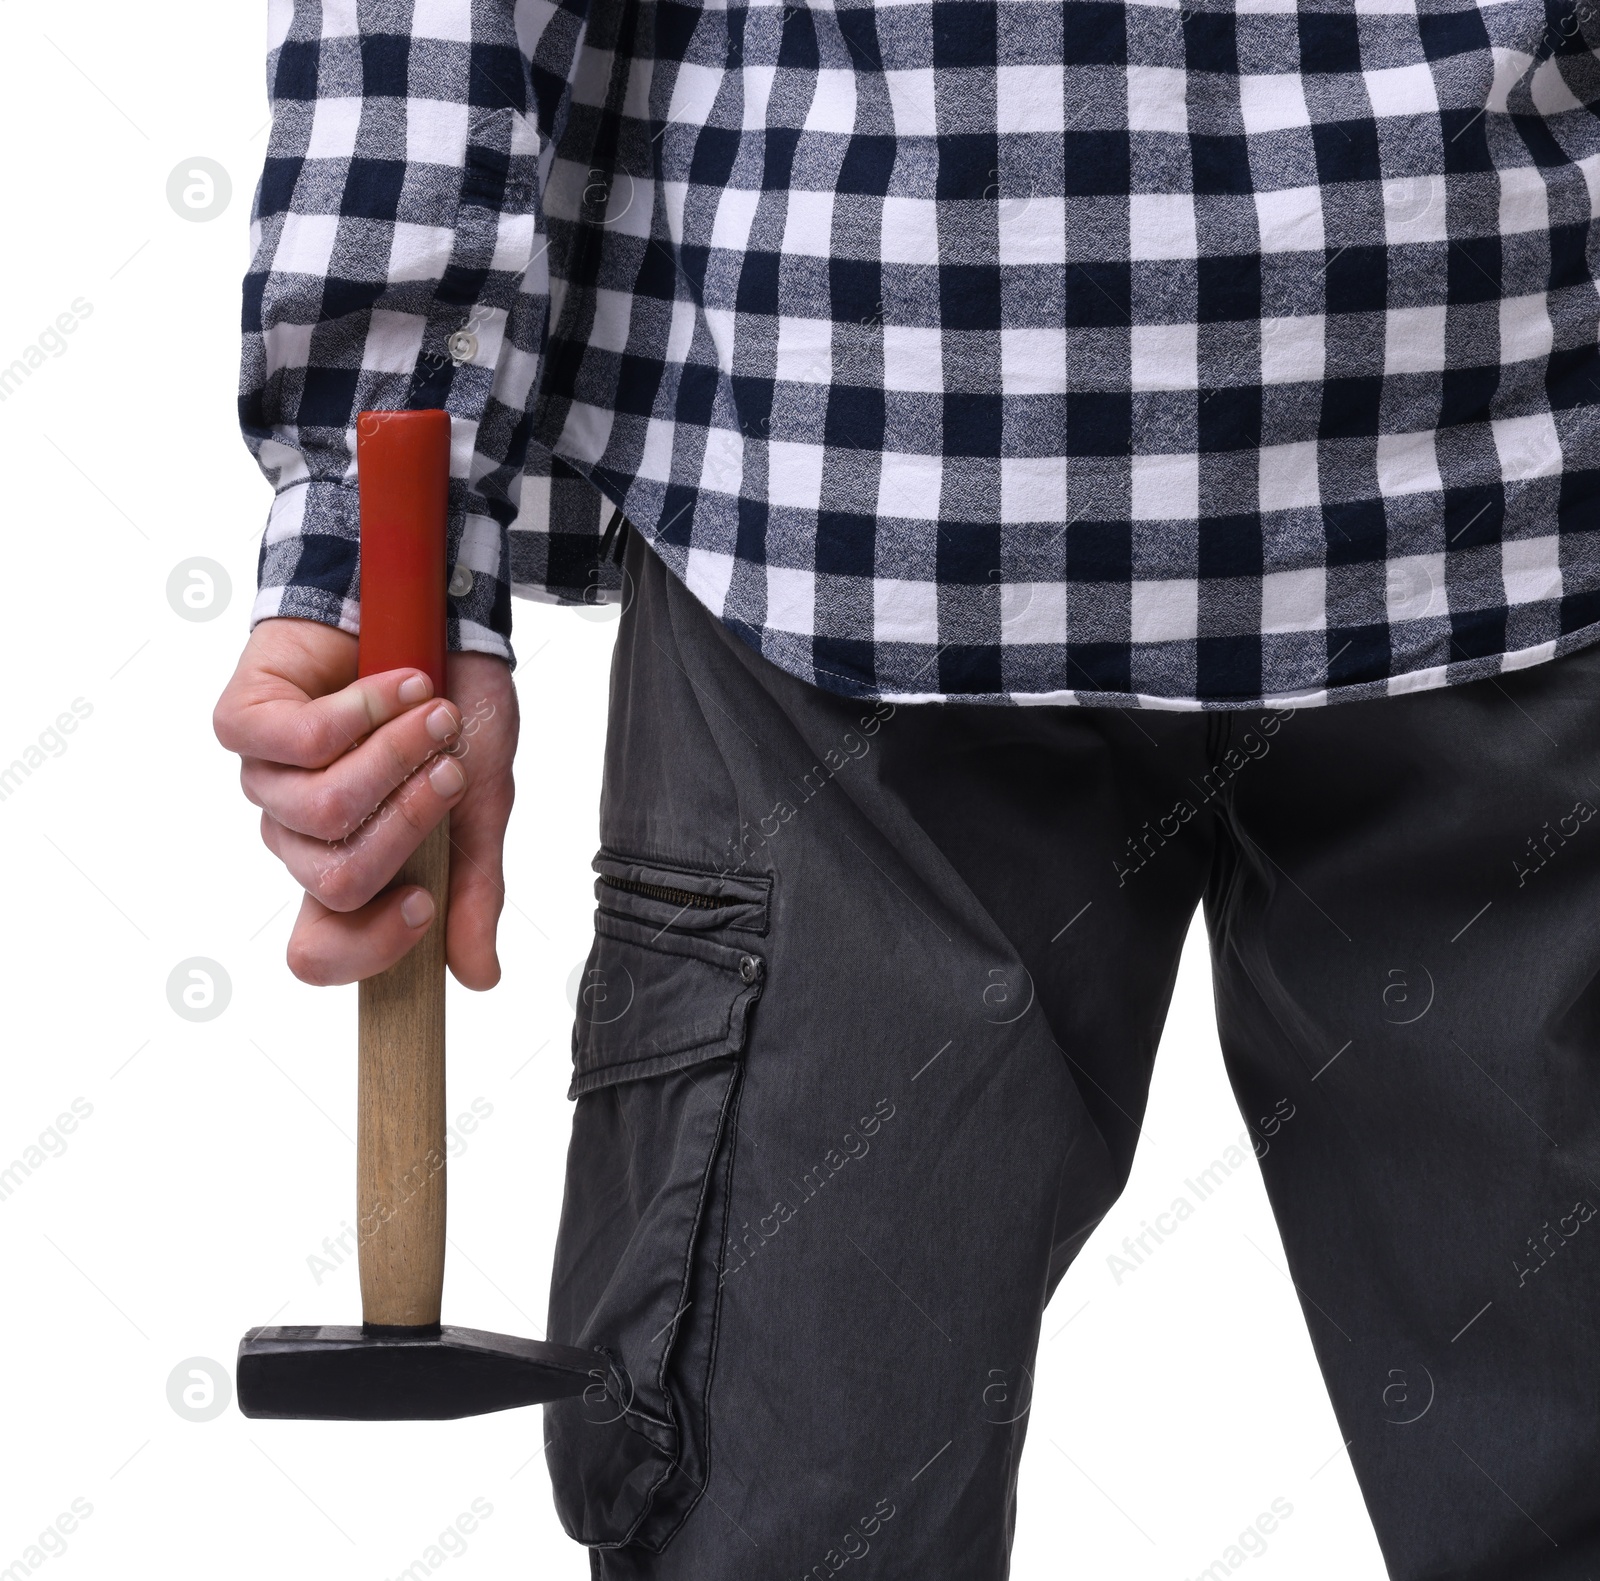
864	1043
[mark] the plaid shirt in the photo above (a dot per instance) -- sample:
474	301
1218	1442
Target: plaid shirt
1080	352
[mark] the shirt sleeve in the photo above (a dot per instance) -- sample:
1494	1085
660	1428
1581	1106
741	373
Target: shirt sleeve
397	263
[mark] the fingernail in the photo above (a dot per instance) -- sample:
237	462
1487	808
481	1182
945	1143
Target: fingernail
415	689
446	778
441	723
417	908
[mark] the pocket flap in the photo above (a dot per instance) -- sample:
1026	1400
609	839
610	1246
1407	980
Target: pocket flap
654	1001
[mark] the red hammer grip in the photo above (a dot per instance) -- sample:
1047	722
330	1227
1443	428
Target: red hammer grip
403	462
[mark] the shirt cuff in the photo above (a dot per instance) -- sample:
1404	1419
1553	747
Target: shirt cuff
310	565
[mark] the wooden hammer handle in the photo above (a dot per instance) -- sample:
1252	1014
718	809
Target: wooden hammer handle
403	460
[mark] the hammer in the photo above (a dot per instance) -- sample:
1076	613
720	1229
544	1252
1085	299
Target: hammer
402	1364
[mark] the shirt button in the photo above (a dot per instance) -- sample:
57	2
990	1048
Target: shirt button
461	580
749	968
463	345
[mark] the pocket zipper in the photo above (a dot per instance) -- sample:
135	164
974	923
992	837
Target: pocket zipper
669	897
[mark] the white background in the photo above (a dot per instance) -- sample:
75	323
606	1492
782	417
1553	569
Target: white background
1170	1410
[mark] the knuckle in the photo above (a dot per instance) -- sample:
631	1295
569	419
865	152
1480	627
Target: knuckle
222	723
371	702
311	739
305	743
398	764
408	808
305	963
327	813
247	785
339	886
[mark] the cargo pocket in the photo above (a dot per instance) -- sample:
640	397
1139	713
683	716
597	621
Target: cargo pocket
662	1015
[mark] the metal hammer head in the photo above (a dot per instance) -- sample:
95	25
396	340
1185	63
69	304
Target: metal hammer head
354	1374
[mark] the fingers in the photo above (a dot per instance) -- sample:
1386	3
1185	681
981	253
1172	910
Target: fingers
351	774
281	725
488	700
477	882
344	875
295	698
329	947
330	803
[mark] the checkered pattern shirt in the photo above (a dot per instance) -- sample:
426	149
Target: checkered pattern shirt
989	350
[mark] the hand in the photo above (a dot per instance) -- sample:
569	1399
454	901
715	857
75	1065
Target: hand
351	774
